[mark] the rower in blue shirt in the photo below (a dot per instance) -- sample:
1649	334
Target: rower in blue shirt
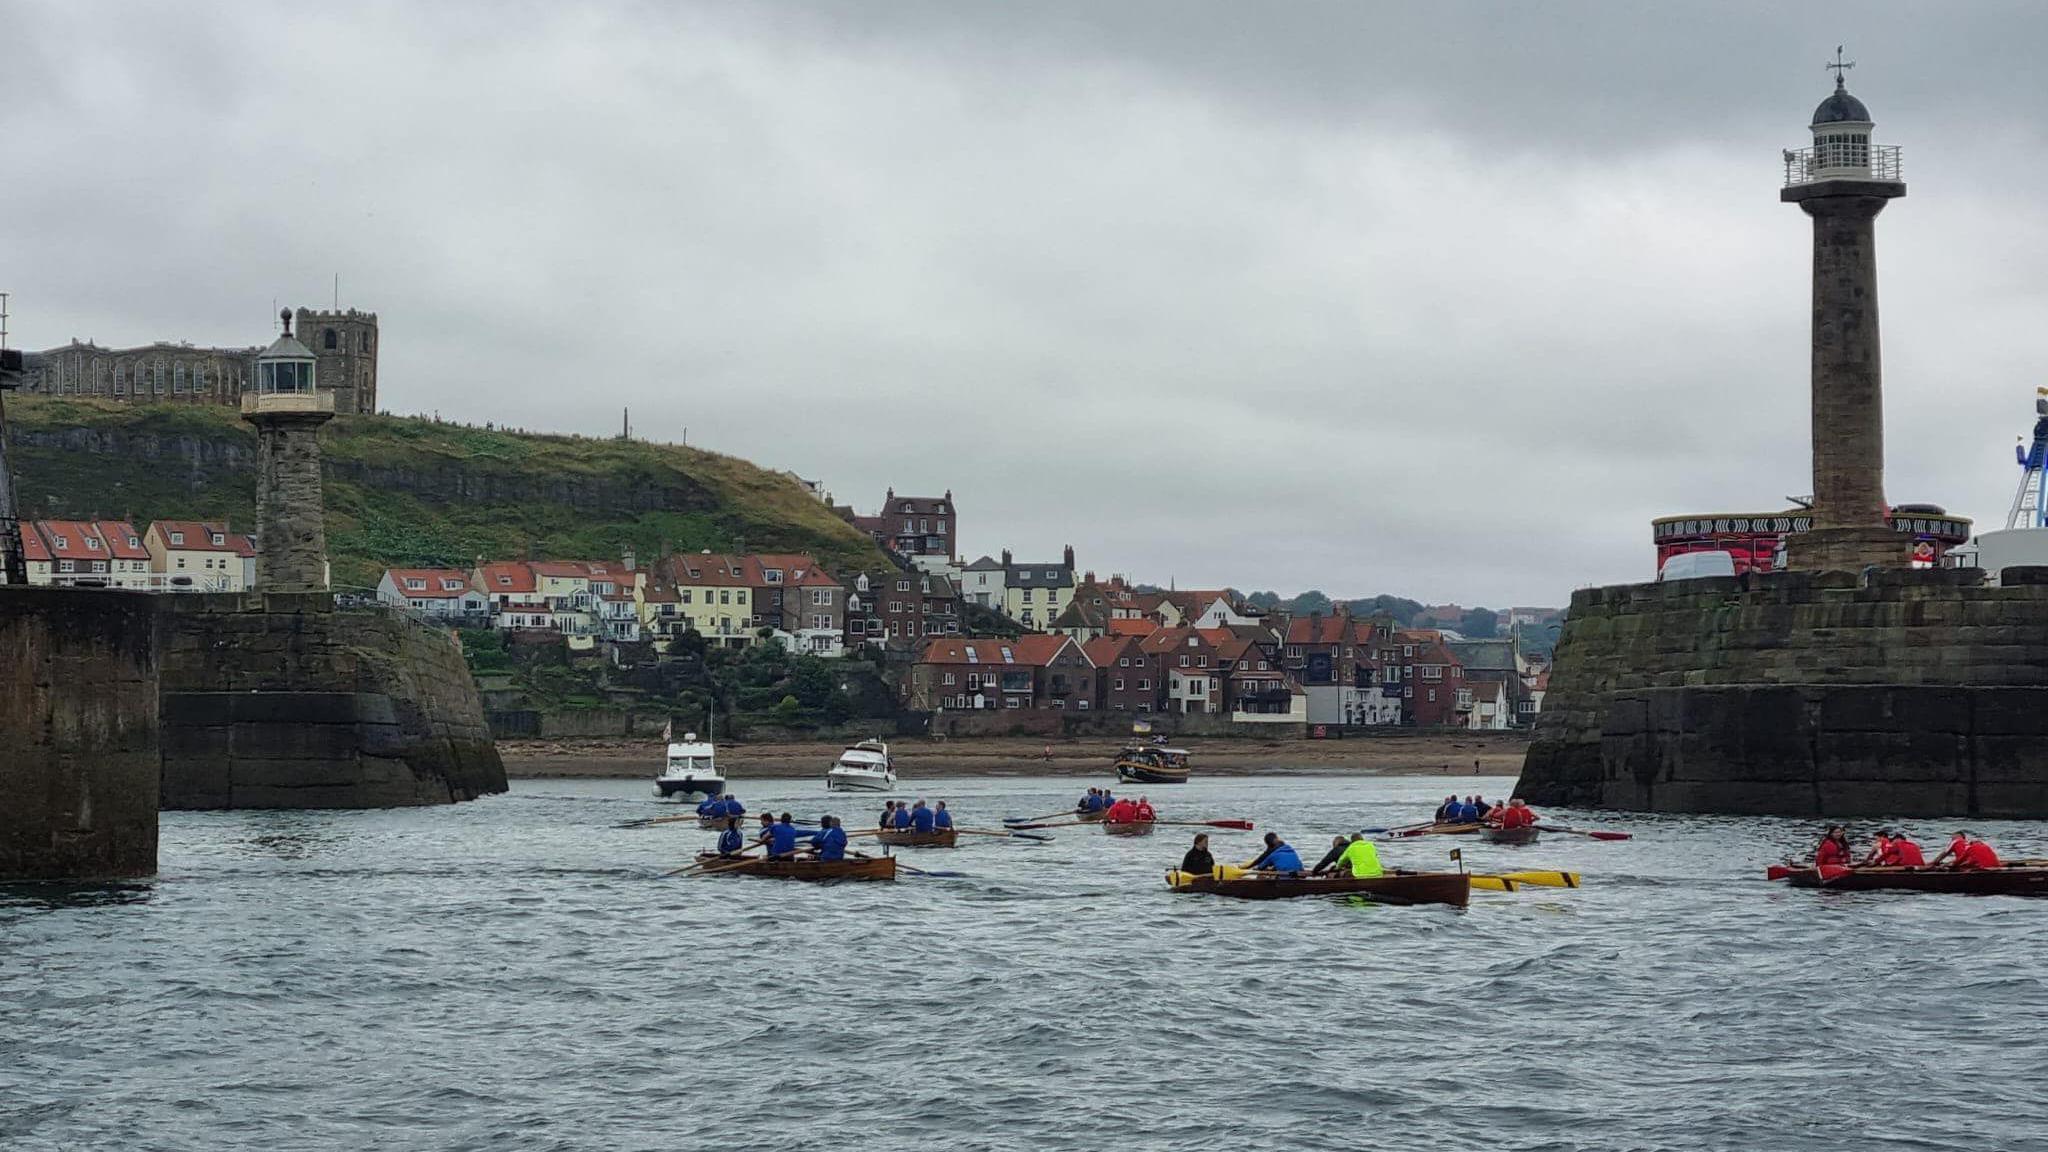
920	817
781	838
942	818
730	841
1279	856
708	806
829	839
733	807
902	818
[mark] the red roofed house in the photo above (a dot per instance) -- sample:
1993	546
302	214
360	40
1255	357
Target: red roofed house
85	553
1126	679
192	556
36	553
1187	658
967	673
1256	688
513	594
797	597
441	593
1430	679
1336	659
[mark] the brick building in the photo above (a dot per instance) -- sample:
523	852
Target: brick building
343	344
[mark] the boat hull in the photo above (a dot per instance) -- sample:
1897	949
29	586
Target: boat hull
2008	881
837	780
686	785
1094	817
851	868
1148	774
1127	828
936	838
1453	888
1442	830
1510	835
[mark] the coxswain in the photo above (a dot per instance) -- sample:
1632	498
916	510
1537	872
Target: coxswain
920	817
901	822
941	818
1970	854
1279	856
888	816
1144	813
731	840
1833	849
1517	815
1901	852
1198	862
1360	858
1329	860
829	841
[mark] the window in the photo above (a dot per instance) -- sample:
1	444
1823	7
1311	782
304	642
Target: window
1144	685
686	596
1432	695
923	525
330	340
362	341
947	679
895	606
177	537
821	596
178	380
1201	661
1117	684
942	527
1079	705
414	584
1144	707
906	525
771	575
725	595
92	543
903	585
1407	649
1183	659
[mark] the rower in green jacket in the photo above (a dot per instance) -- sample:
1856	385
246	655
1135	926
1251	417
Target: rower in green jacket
1361	858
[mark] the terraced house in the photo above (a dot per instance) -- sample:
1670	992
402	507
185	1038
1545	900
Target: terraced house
714	596
1035	594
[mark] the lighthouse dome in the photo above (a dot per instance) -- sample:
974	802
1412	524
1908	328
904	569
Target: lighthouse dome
1841	108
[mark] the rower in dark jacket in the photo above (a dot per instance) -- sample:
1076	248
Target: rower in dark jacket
1329	859
1198	861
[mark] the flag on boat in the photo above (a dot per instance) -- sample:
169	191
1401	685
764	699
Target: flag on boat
1141	727
668	730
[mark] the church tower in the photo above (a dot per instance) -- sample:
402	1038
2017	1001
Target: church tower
344	344
1843	181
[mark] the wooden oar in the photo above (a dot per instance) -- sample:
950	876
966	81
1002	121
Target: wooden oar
1053	824
707	864
657	820
1000	832
1400	831
1597	835
902	867
1029	819
1233	825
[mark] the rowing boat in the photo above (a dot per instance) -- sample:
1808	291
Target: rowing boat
1088	817
1524	835
2011	880
1127	828
1393	888
851	868
911	838
1440	830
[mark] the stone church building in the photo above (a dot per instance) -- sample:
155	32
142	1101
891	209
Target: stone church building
344	343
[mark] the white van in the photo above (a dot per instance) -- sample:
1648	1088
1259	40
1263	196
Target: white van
1697	566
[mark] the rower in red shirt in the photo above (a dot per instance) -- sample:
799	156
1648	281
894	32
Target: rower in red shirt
1833	848
1969	853
1879	849
1901	852
1143	813
1517	815
1121	812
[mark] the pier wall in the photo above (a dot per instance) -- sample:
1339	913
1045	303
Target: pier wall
277	700
1909	693
78	735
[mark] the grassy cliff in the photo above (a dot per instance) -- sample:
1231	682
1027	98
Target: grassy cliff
408	491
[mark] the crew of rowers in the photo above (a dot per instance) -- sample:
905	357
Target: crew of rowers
900	817
1351	855
1115	811
781	838
720	807
1894	849
1475	810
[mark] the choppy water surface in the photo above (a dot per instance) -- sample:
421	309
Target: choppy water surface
515	973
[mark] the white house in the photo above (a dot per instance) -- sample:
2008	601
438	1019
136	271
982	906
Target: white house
436	592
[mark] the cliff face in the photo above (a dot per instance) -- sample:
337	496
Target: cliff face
278	701
1918	694
410	492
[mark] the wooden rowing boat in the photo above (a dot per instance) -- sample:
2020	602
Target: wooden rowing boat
1454	888
1090	817
2011	880
1441	830
936	838
1524	835
1127	828
851	868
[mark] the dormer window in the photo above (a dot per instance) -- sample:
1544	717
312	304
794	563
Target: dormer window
177	537
219	541
504	581
415	585
92	543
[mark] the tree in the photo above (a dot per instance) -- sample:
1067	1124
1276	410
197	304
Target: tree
1479	623
788	711
1266	601
1309	601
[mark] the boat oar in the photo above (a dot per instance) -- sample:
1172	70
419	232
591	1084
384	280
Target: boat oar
1594	834
902	867
1053	824
1012	832
1402	830
1029	819
708	863
657	820
1233	825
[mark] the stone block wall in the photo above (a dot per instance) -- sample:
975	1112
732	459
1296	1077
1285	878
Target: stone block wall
1914	693
78	735
279	701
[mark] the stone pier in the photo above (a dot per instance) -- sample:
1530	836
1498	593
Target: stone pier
79	755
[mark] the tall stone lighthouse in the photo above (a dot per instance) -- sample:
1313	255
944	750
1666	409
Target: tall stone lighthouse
291	538
1843	181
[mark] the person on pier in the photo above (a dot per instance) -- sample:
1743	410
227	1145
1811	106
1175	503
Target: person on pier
1198	862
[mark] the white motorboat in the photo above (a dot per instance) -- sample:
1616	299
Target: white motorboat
865	767
692	768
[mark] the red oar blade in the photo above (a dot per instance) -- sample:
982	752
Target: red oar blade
1239	825
1611	835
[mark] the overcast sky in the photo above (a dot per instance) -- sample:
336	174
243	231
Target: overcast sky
1442	300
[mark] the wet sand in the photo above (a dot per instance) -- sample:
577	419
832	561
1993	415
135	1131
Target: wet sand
1393	754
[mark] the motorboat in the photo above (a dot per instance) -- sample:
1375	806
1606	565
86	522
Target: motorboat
1152	764
692	768
864	767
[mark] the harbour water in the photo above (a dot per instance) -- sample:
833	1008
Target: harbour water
516	973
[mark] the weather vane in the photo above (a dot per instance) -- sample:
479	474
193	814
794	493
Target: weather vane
1839	67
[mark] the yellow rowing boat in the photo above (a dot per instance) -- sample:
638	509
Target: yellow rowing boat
1511	881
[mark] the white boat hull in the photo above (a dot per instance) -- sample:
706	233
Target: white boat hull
859	780
689	785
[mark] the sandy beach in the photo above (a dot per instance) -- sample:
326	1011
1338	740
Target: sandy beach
1391	754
